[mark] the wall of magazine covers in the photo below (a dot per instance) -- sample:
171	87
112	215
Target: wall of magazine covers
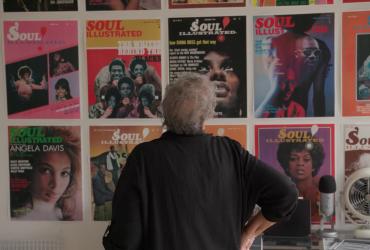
85	232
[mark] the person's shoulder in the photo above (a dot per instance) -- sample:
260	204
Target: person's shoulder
227	142
224	139
146	145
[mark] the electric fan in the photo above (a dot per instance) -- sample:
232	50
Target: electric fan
357	200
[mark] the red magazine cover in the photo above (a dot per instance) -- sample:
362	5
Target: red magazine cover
304	152
293	65
123	68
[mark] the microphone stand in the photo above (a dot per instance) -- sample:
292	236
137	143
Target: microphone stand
327	233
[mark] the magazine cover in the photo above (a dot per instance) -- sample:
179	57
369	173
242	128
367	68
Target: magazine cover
356	63
39	5
173	4
235	132
124	68
123	4
261	3
42	71
215	47
45	173
293	65
356	156
109	148
303	152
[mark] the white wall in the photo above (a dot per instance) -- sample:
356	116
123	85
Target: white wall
87	234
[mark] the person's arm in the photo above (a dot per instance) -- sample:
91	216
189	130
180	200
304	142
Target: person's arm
256	226
273	191
42	84
126	229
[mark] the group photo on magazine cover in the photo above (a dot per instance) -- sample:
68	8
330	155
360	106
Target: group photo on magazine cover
124	73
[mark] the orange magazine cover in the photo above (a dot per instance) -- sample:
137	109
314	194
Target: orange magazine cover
110	147
356	64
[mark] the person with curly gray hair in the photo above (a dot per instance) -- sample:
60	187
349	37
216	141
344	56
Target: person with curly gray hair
191	190
194	96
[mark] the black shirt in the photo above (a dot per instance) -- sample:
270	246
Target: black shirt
195	192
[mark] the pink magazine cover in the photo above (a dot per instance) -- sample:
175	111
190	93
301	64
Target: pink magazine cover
41	68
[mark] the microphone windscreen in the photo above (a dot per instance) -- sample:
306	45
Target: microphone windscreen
327	184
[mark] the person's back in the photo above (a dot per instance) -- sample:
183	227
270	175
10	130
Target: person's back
194	186
189	190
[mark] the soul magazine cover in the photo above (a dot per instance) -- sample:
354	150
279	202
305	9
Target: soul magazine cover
39	5
124	68
356	157
45	173
304	152
96	5
173	4
235	132
356	63
293	65
42	70
215	47
109	148
261	3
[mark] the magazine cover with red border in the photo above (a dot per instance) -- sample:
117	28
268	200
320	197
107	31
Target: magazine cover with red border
304	152
109	148
236	132
123	68
214	47
293	65
356	63
45	173
42	70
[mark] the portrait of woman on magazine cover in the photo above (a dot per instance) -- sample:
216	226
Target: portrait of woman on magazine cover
54	189
302	161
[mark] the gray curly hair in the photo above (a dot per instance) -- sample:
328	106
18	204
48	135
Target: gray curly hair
188	102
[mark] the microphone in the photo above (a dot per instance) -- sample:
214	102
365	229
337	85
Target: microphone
327	188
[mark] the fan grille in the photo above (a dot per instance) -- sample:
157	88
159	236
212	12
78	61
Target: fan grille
359	196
